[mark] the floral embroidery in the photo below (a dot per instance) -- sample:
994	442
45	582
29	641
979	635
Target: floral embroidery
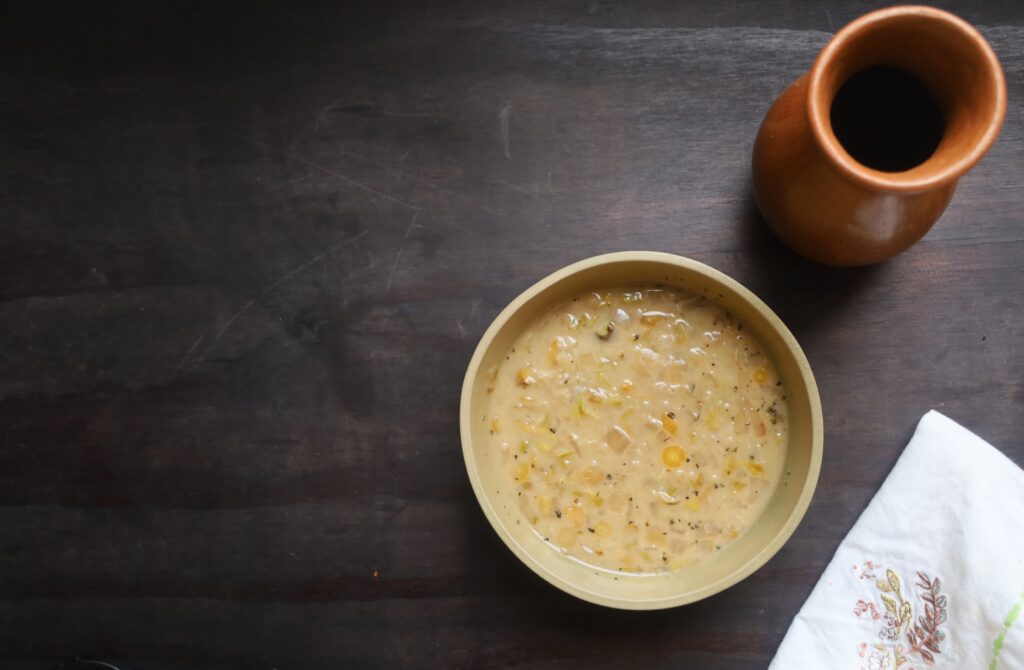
863	606
904	641
1011	618
878	660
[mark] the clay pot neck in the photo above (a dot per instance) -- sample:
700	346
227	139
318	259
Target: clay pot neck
950	59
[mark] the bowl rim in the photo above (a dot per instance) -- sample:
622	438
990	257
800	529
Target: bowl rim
676	599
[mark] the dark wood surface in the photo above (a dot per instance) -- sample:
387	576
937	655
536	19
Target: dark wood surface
246	254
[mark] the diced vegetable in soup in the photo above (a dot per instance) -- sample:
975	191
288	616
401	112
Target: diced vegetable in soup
641	430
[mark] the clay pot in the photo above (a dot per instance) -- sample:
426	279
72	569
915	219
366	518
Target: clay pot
825	204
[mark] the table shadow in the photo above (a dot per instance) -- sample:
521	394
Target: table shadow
805	294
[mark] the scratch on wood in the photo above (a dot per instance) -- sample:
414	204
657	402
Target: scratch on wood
323	112
227	325
313	261
828	16
349	180
298	179
326	170
503	118
412	224
520	189
486	259
288	275
391	275
189	352
397	174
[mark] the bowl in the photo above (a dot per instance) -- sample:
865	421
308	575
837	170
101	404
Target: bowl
738	560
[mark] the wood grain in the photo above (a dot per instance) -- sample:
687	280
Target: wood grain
246	253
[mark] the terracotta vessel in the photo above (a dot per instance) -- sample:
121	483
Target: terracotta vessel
830	207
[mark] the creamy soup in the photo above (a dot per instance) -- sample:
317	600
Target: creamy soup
641	430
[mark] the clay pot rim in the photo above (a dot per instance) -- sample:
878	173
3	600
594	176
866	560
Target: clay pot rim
818	104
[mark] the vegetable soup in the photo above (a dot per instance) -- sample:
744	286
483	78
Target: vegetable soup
641	429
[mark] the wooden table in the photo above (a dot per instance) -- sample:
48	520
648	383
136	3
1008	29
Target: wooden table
246	254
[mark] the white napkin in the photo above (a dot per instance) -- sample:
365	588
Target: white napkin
932	574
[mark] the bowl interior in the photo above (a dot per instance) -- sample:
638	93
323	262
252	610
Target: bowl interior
742	557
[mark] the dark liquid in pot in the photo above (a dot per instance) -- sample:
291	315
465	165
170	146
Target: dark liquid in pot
886	119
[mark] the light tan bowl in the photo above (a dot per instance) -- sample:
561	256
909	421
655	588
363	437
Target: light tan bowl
735	562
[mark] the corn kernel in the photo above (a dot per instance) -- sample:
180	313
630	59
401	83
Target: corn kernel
495	425
673	456
544	505
524	446
522	472
737	485
591	475
626	386
542	446
539	427
712	419
693	504
761	375
575	514
654	536
566	537
755	469
525	377
602	529
579	408
668	422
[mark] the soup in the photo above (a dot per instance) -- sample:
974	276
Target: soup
641	429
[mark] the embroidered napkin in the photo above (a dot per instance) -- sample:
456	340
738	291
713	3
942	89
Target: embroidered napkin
932	574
